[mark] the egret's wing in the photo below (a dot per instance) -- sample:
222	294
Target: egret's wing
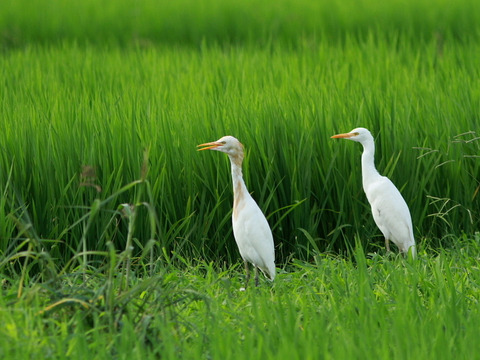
391	213
254	237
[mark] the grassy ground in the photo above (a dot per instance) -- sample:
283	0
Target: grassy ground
115	233
362	307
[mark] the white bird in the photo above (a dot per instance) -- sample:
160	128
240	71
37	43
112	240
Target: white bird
250	227
389	209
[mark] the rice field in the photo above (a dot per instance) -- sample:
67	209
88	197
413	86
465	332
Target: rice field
115	233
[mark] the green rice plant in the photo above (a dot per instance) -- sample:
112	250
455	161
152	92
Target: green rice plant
78	116
70	111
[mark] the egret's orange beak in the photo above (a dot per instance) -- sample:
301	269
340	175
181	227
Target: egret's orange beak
343	136
210	145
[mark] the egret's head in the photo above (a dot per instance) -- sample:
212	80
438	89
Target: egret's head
359	134
226	144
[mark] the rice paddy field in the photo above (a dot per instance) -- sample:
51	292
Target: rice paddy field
115	233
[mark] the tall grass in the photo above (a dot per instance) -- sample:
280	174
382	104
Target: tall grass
78	118
67	107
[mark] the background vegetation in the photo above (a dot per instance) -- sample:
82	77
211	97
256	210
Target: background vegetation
186	23
109	217
68	105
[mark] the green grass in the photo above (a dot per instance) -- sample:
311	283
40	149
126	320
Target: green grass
67	107
123	22
362	307
115	233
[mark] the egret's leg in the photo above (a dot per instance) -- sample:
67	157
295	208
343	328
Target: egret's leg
256	275
247	271
387	244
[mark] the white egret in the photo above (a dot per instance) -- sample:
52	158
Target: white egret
250	227
389	209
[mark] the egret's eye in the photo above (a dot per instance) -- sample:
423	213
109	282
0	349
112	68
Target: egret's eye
224	142
356	133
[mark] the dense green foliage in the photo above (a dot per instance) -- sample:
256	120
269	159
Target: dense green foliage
67	106
186	22
115	233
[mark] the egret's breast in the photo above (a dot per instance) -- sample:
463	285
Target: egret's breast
238	199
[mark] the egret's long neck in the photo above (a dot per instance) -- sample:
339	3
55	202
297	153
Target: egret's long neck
239	188
369	172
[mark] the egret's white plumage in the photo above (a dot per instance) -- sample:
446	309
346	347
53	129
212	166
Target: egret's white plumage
389	209
250	227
